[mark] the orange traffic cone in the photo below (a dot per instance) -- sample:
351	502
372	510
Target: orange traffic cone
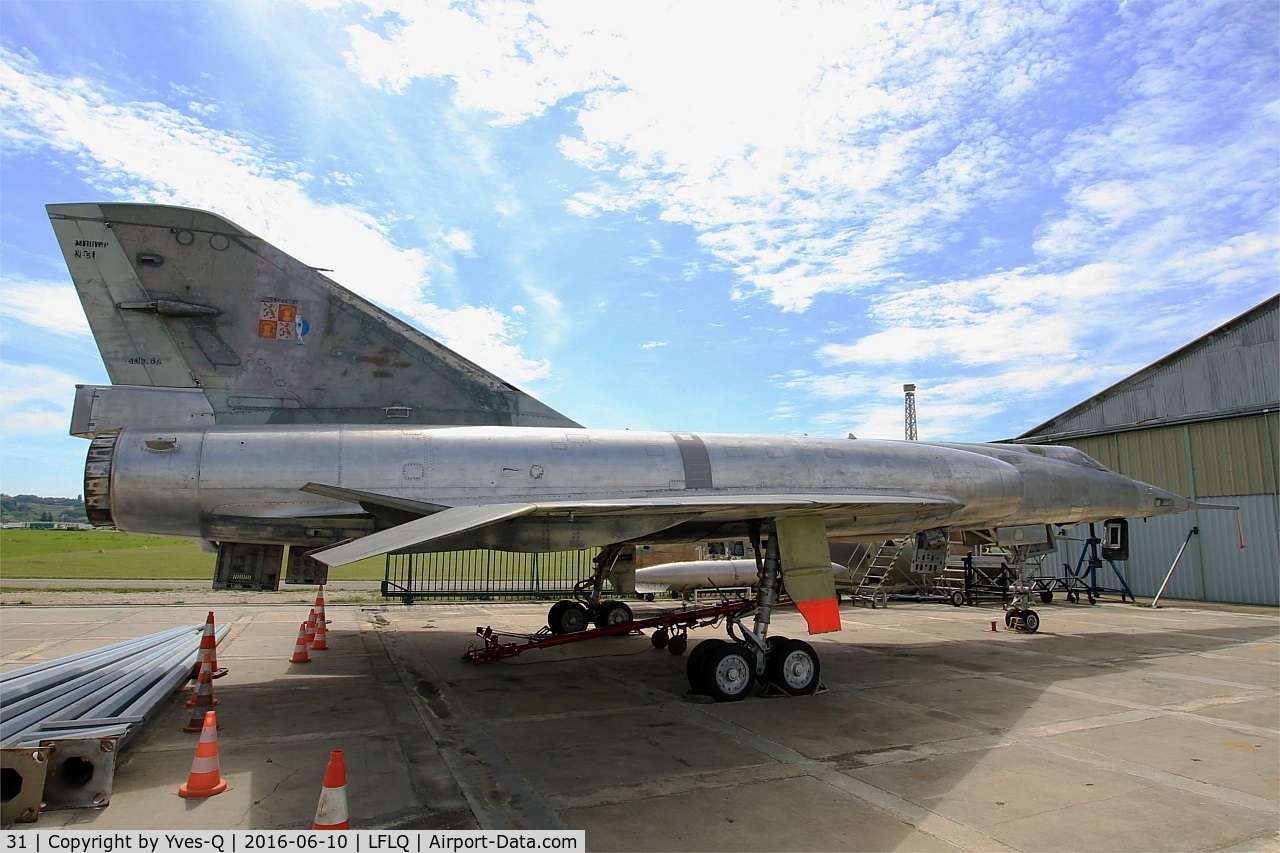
209	650
202	694
311	627
320	642
320	617
331	811
205	778
300	647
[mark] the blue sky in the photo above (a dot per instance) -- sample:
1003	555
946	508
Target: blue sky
716	216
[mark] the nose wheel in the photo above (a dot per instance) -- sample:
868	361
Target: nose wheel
570	617
1027	620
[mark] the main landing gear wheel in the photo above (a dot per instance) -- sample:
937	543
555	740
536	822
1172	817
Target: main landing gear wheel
729	671
772	644
793	666
1009	616
567	617
613	613
693	665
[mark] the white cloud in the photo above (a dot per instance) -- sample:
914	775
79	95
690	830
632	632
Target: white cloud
484	335
654	344
37	406
1011	318
802	142
51	306
458	240
825	149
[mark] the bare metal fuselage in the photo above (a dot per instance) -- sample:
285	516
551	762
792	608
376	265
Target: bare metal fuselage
242	484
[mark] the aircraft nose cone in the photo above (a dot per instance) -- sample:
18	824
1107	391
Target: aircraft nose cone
1167	503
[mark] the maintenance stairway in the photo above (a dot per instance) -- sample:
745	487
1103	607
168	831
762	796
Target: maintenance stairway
867	576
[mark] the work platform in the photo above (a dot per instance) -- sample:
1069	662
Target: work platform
1114	728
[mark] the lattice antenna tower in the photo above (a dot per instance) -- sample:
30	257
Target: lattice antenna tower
910	390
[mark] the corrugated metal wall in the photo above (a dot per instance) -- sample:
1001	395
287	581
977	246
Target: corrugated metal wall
1234	368
1235	456
1230	461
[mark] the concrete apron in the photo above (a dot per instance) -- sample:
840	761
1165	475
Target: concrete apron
1113	728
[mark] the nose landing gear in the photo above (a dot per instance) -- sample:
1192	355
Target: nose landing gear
1020	616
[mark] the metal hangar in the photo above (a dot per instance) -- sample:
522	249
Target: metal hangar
1202	422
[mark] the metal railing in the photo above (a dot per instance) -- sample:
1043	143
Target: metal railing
485	574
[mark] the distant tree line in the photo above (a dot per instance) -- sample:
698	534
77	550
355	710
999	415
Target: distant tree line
34	508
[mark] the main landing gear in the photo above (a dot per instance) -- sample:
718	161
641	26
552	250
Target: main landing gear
728	671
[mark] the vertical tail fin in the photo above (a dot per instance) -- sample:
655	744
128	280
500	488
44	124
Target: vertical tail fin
182	298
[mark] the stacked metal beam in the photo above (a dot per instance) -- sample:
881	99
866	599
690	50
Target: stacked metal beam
67	718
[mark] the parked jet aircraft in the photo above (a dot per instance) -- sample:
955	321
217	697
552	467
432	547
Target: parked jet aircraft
258	405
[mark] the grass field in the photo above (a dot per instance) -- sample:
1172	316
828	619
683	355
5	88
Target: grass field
108	555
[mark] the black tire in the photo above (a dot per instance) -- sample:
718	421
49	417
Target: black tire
567	617
1046	596
553	615
1010	615
613	613
693	665
729	672
771	644
660	638
1072	597
1032	620
957	598
794	668
678	644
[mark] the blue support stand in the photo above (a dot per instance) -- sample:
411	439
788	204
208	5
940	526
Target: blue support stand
1088	579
